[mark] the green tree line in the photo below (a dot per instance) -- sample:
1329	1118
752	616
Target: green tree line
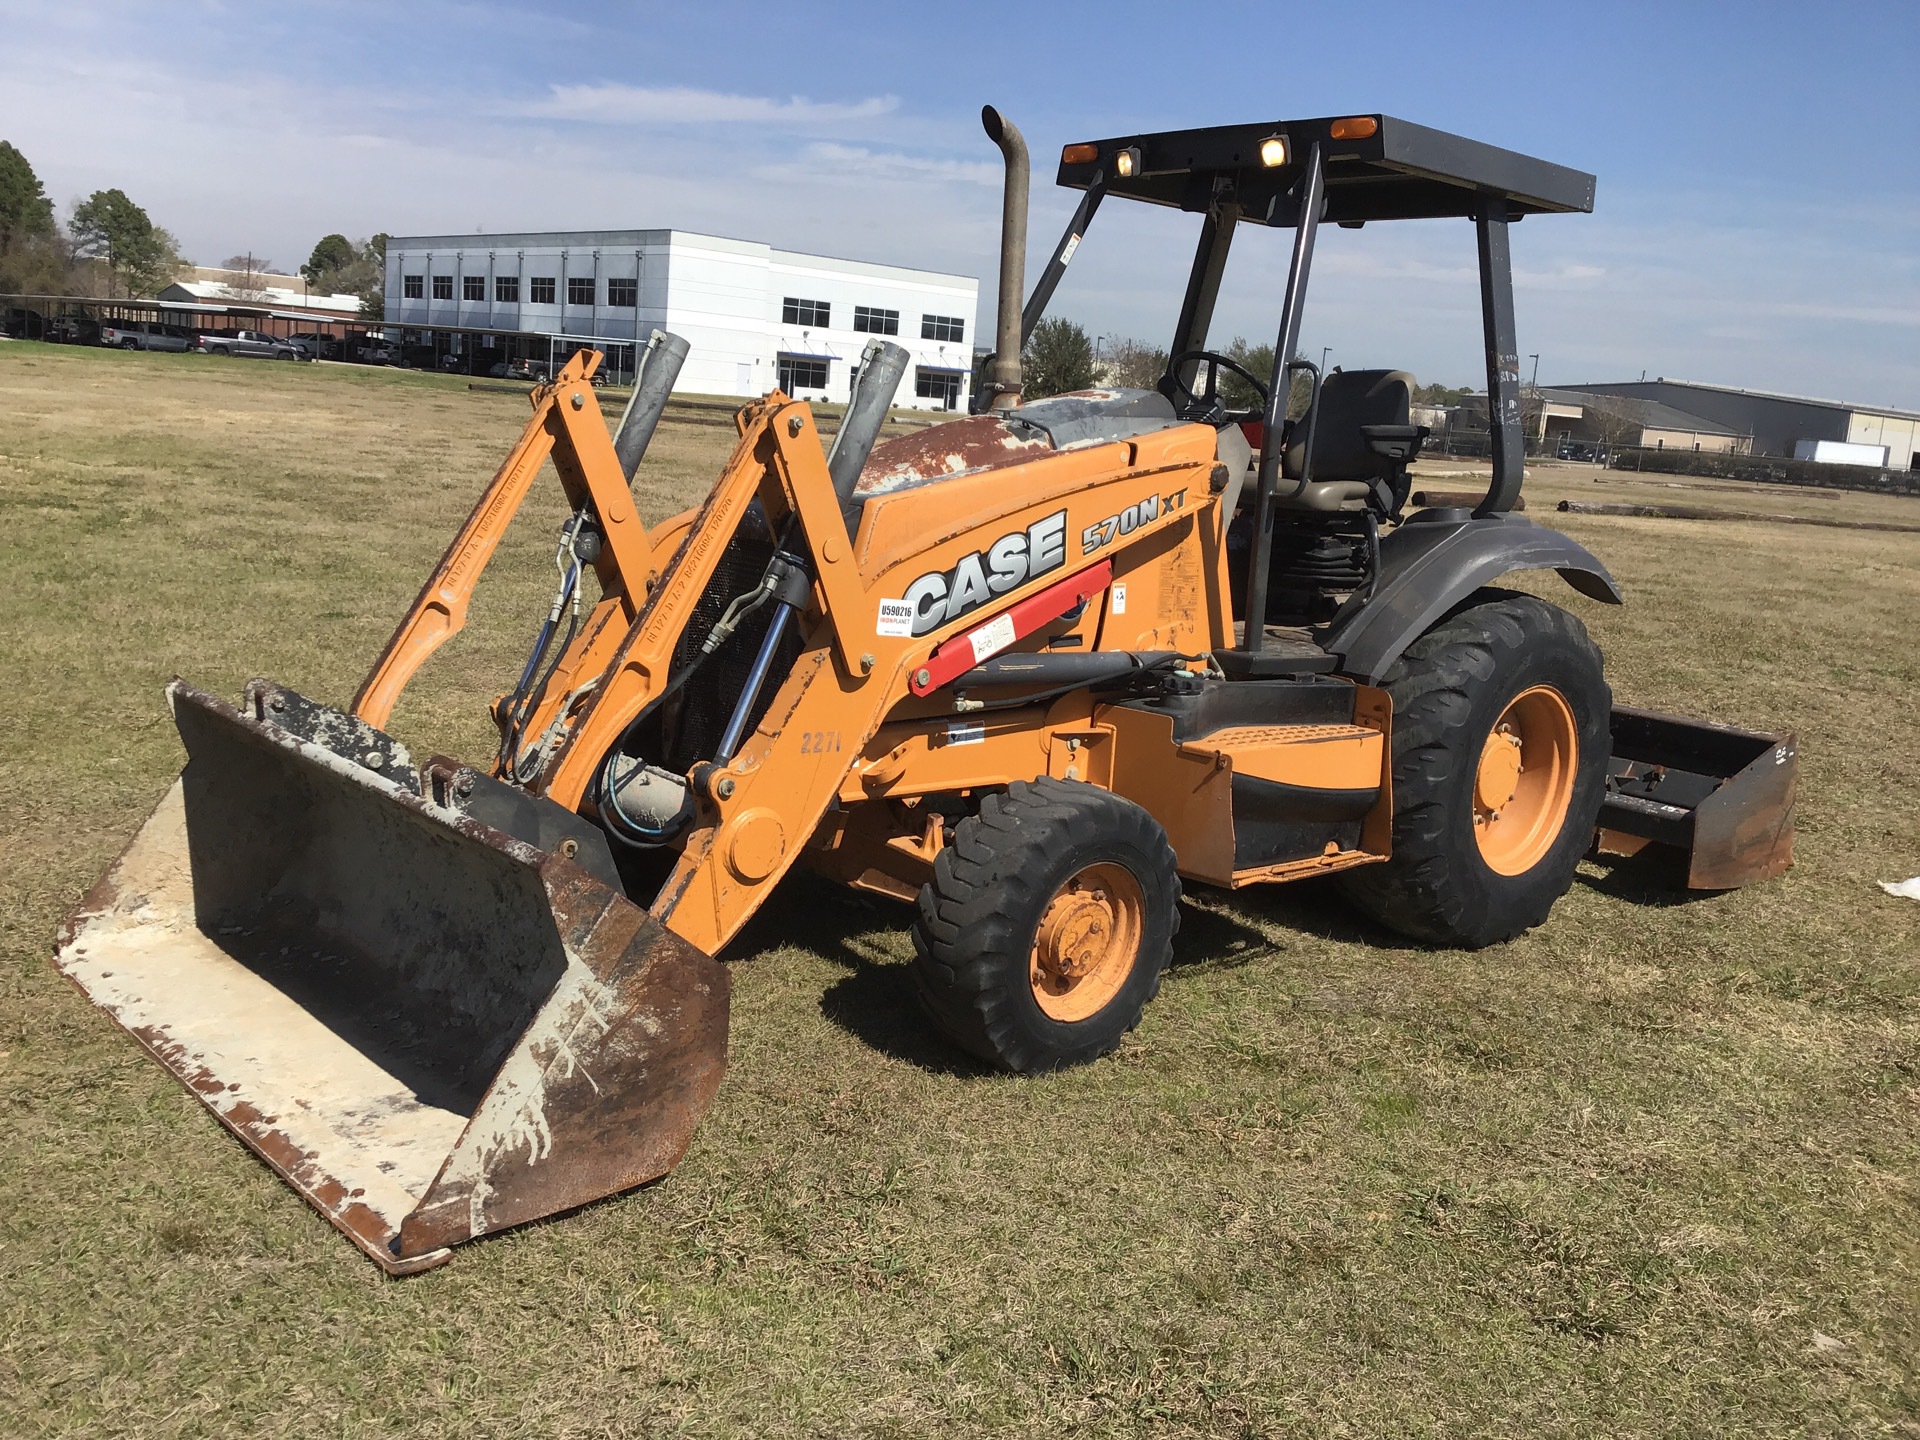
1061	357
111	247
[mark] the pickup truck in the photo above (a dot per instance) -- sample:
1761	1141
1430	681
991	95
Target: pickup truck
250	343
144	335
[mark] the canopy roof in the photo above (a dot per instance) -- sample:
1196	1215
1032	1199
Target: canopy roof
1399	171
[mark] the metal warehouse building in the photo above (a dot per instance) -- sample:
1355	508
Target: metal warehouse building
755	316
1772	424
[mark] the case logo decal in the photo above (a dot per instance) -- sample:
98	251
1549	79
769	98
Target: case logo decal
942	596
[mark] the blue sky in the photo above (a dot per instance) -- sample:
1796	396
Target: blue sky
1757	221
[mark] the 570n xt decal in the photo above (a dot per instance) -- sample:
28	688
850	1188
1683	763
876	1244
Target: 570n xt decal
1127	521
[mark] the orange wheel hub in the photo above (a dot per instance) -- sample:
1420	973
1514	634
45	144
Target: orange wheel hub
1088	936
1524	784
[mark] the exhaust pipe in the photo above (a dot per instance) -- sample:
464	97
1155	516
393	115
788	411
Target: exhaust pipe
660	362
882	367
1003	370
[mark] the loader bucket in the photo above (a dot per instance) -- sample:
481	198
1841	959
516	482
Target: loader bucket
429	1028
1722	797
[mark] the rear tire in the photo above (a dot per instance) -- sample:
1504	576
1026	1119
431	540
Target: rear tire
1046	926
1501	732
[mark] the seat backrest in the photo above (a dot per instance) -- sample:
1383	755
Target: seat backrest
1350	399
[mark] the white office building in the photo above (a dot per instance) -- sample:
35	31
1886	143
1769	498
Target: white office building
756	317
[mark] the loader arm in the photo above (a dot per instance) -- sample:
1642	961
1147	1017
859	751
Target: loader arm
824	712
567	424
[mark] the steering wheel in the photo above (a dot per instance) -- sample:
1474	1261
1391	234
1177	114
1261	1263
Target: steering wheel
1207	405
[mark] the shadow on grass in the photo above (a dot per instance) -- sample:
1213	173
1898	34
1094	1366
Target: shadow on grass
1306	907
877	1005
875	1002
1655	878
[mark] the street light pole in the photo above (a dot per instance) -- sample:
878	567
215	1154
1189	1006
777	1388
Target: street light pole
1534	383
1325	350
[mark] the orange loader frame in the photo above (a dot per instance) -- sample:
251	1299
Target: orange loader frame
846	751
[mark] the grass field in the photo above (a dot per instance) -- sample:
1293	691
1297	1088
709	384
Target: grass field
1650	1170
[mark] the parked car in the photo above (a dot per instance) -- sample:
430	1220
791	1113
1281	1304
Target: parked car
72	330
250	343
519	370
1581	450
145	335
313	345
371	350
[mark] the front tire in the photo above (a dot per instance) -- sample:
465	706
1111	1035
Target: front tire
1046	926
1501	732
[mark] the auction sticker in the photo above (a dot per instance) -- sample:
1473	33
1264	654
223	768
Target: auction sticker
895	619
966	732
992	637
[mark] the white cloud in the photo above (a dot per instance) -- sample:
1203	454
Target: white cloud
827	155
1906	315
612	104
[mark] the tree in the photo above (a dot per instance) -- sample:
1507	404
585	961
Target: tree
1239	395
339	266
373	293
332	254
1135	365
1441	395
1058	358
25	211
138	254
247	276
33	255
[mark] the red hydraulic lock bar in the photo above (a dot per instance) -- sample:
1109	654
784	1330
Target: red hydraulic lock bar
1009	627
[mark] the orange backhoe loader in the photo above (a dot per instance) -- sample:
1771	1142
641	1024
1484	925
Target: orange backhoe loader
1030	670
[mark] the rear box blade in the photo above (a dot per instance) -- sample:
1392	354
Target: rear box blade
1720	795
429	1028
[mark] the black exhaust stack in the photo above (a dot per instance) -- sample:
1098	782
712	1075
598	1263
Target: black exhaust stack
1001	390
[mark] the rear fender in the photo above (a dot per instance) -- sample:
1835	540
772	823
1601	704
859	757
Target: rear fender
1429	566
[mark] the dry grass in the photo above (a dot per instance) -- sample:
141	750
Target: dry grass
1649	1170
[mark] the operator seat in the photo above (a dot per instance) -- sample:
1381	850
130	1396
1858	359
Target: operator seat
1362	444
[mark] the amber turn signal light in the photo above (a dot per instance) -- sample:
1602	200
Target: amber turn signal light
1079	154
1356	127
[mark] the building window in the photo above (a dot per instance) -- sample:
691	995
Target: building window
580	290
806	312
802	372
506	289
941	385
625	293
443	287
876	322
413	287
540	290
473	287
943	327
